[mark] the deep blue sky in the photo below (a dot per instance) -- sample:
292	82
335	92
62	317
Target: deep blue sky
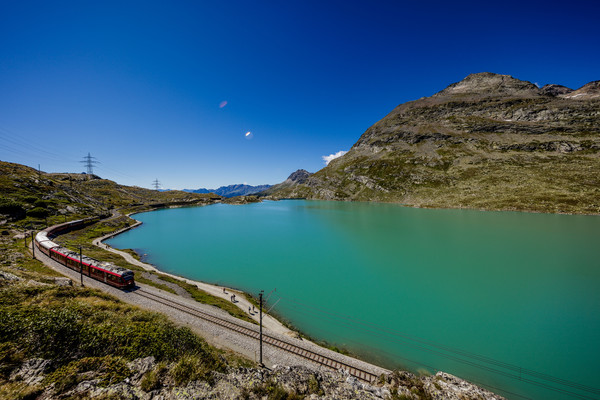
139	84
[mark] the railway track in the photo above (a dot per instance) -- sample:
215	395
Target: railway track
267	339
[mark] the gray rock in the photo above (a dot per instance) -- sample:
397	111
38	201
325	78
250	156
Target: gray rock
443	386
139	367
253	383
63	281
7	276
31	371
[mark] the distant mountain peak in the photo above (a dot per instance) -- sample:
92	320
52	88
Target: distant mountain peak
299	176
555	90
588	91
295	179
232	190
488	83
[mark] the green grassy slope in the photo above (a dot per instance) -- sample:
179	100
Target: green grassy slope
28	197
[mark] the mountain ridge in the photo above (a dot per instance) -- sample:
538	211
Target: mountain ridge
232	190
488	142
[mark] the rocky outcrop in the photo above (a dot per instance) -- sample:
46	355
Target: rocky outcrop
252	383
443	386
31	371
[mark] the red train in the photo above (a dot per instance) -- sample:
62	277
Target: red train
106	272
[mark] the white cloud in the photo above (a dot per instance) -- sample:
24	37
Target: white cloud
331	157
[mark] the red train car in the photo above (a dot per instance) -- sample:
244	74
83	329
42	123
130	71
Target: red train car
106	272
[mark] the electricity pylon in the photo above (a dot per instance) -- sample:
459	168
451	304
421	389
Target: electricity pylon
89	162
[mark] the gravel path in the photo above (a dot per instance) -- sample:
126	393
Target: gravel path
214	334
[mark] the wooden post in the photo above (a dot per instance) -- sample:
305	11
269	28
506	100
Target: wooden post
80	265
260	297
32	245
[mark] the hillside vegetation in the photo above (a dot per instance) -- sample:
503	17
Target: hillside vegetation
28	197
488	142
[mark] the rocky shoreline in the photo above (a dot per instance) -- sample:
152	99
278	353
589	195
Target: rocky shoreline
282	382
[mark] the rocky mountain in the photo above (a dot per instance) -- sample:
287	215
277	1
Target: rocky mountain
298	177
588	91
232	190
489	142
555	90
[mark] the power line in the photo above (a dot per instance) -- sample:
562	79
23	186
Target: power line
114	171
156	184
463	361
353	323
447	348
396	356
15	143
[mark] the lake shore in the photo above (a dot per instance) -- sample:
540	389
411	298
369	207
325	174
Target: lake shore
225	293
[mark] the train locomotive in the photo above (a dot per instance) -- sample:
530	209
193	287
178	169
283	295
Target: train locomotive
103	271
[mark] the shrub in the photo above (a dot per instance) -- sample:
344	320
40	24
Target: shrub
12	209
274	391
80	329
41	203
10	358
38	212
195	367
32	326
151	381
30	199
108	369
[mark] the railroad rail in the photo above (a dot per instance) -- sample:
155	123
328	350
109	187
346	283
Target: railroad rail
281	344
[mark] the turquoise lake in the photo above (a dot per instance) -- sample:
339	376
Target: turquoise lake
504	299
